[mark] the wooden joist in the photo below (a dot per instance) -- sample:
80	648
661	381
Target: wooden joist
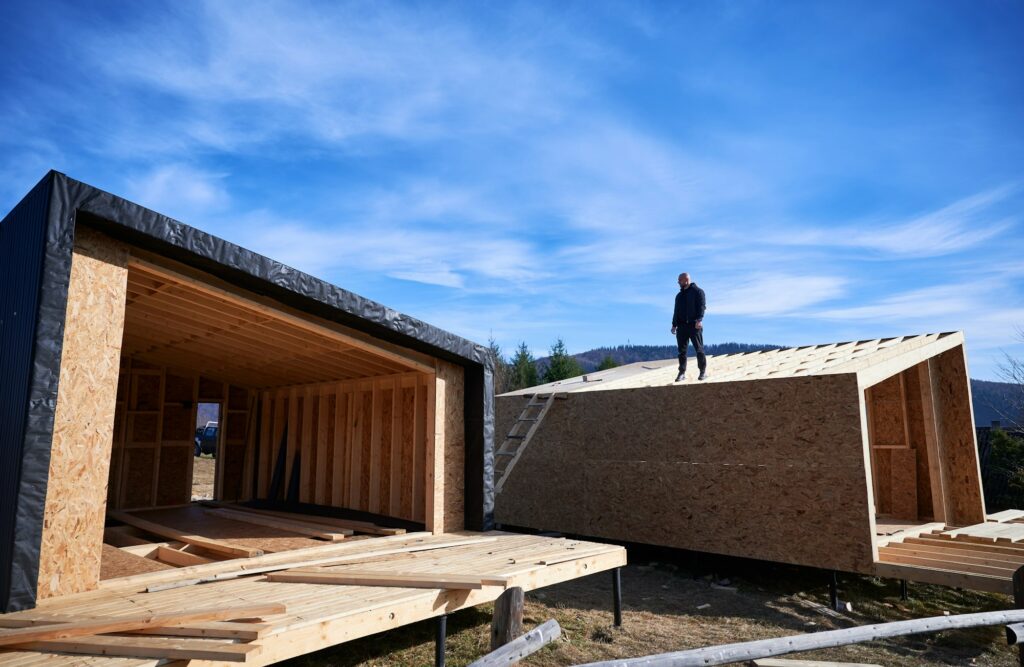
147	647
210	544
289	525
390	579
133	622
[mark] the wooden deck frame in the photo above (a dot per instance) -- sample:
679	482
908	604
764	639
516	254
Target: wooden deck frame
321	615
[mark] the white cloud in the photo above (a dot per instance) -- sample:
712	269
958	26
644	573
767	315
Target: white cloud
181	191
775	294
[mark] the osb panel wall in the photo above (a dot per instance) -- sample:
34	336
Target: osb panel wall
951	394
769	469
76	493
358	444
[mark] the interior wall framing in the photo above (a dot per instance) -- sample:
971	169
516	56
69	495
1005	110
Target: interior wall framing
923	453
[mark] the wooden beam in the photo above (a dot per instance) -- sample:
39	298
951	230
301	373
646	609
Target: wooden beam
135	622
507	623
518	649
347	526
390	579
301	528
210	544
147	647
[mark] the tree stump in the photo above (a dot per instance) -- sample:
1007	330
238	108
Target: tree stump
508	617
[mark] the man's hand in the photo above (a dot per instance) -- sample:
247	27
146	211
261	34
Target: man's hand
698	325
673	331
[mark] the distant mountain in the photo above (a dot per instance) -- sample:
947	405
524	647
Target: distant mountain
997	401
993	401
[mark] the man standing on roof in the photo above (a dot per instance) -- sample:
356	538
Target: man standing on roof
688	326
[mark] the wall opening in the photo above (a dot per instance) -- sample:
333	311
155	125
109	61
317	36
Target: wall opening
207	442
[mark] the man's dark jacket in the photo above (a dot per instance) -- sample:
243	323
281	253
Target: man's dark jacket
689	306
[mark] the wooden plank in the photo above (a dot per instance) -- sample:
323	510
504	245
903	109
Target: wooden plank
521	647
359	578
14	637
434	481
376	455
147	647
355	465
395	484
217	546
1005	516
339	480
420	444
935	468
321	494
266	454
294	436
784	662
165	554
346	526
308	448
244	631
301	528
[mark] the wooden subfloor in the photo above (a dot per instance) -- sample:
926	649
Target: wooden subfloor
317	615
982	557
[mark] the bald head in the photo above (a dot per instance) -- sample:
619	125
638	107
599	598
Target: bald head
684	280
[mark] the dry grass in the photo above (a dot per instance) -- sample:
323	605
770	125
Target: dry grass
663	612
202	477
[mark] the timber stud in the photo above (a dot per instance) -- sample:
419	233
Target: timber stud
617	595
439	640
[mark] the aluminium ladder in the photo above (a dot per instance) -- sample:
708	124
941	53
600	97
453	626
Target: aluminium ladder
507	454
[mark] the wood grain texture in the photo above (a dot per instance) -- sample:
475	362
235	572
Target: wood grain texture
360	438
76	494
770	469
951	393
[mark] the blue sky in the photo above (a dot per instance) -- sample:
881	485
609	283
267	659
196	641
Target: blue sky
826	171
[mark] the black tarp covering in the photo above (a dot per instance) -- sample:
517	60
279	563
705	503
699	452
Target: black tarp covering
71	202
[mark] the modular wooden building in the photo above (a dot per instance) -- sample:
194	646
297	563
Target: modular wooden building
833	456
340	420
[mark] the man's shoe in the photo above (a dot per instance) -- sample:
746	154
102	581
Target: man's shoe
703	375
681	377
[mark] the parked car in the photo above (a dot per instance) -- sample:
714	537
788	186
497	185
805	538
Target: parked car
206	439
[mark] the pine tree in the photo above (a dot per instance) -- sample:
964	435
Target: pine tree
607	363
502	374
561	364
522	371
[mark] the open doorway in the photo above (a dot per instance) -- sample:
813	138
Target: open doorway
206	447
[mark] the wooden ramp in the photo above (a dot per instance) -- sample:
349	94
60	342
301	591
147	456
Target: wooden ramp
362	587
980	557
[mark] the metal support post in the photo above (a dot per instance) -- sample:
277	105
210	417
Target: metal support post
833	589
617	595
442	631
904	593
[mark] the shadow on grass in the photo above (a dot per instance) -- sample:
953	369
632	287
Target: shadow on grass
383	646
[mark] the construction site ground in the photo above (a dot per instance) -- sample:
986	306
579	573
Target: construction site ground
674	601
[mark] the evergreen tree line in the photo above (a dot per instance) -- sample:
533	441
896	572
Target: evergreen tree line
522	370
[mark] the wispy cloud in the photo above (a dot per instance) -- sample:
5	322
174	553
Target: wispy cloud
181	191
776	294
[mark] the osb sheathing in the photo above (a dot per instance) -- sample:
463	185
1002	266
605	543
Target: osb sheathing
768	469
76	493
955	430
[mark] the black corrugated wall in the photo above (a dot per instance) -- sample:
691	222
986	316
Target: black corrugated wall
22	241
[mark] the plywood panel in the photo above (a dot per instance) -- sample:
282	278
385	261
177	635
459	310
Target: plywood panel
903	482
951	394
76	494
765	469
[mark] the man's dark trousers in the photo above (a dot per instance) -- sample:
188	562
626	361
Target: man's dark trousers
687	333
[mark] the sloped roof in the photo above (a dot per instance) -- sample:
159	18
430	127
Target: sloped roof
872	361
